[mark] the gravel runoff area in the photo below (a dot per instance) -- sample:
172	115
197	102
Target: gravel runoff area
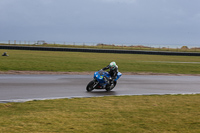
86	73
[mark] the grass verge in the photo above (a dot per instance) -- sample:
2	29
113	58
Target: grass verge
167	113
79	62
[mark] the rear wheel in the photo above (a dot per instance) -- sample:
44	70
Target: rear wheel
89	87
109	88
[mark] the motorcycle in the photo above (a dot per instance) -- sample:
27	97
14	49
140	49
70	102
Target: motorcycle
101	81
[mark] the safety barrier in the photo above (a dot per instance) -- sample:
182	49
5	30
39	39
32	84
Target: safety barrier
98	50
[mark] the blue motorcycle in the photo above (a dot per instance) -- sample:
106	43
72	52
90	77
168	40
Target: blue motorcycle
101	81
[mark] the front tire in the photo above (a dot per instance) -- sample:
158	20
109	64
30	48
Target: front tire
89	87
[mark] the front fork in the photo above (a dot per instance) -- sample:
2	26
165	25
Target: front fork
95	83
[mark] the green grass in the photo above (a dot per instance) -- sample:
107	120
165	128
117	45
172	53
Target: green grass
114	114
79	62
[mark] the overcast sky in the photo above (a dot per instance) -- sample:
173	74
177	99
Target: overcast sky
102	21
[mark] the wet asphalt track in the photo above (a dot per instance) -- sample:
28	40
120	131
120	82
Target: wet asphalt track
21	88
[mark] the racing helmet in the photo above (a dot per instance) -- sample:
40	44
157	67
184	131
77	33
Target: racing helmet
112	65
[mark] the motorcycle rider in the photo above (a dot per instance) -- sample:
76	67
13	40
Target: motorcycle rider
113	71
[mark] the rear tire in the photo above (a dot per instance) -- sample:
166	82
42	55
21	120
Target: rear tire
89	87
108	87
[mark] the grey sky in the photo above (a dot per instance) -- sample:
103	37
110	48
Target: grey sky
102	21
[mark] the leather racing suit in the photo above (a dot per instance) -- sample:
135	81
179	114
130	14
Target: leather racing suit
113	73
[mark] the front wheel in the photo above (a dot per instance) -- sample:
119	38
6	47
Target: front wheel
89	87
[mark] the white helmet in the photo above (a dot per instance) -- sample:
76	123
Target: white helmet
112	65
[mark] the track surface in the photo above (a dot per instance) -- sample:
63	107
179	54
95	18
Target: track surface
21	88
